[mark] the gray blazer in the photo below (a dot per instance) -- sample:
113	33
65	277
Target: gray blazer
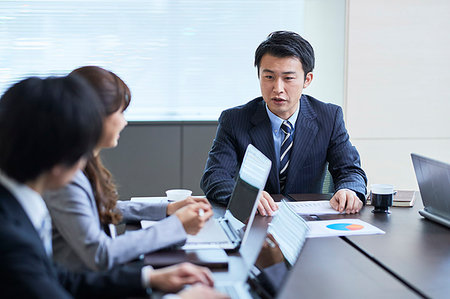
79	241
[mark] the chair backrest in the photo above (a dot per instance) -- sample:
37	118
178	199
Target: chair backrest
328	185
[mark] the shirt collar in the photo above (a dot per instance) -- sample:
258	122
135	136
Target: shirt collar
30	200
277	121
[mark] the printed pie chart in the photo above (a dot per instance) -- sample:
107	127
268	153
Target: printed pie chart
345	226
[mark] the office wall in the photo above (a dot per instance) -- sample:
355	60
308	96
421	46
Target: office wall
155	156
398	95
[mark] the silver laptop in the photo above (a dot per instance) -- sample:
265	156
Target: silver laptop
433	178
228	232
269	263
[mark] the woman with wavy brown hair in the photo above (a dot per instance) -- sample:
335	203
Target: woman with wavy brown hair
84	212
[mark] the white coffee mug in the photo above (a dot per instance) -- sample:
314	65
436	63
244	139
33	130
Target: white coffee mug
178	194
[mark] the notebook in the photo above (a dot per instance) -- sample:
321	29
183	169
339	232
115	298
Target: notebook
228	232
433	178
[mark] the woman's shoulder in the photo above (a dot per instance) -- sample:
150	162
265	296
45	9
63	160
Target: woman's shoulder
75	191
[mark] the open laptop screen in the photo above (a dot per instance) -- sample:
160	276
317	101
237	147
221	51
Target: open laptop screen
251	179
433	178
242	200
286	236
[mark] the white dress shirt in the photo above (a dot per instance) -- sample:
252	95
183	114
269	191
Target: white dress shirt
35	208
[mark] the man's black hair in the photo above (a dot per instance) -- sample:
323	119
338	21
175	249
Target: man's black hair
46	122
286	44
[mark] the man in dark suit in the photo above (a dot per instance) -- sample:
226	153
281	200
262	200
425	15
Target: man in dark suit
47	127
300	134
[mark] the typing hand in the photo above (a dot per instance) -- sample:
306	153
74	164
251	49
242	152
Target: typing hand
347	200
194	216
172	279
175	206
201	291
266	205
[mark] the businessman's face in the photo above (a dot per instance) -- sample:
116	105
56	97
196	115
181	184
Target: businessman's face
282	81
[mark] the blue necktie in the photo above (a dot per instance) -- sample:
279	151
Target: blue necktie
285	151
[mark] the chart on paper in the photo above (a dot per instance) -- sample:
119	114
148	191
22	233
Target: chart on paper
341	227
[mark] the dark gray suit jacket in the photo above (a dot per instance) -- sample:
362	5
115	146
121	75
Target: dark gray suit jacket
320	136
27	272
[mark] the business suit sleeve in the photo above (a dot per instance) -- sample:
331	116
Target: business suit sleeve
137	211
120	282
218	178
24	273
76	220
344	161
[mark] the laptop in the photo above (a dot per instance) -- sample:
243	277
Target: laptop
433	178
270	261
228	232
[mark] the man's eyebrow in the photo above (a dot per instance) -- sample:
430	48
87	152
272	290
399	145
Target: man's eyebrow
267	71
284	73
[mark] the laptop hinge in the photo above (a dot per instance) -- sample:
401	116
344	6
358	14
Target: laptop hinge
228	229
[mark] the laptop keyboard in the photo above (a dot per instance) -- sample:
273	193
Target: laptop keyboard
210	233
230	290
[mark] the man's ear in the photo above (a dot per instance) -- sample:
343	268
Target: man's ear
56	170
308	79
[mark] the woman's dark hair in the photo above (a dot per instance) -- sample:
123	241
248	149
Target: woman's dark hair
46	122
286	44
113	94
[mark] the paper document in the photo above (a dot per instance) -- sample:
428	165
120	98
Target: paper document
147	223
319	207
156	199
341	227
149	199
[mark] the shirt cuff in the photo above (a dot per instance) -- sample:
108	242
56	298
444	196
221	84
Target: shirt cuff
145	276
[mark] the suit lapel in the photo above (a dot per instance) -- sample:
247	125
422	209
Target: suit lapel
81	180
18	216
262	139
306	129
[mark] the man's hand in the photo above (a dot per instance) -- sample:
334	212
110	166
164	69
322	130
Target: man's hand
266	205
270	253
172	279
175	206
346	200
201	291
194	216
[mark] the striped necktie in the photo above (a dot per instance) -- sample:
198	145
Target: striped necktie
285	150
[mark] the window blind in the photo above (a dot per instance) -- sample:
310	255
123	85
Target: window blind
183	60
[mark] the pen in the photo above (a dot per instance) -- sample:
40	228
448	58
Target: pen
271	243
